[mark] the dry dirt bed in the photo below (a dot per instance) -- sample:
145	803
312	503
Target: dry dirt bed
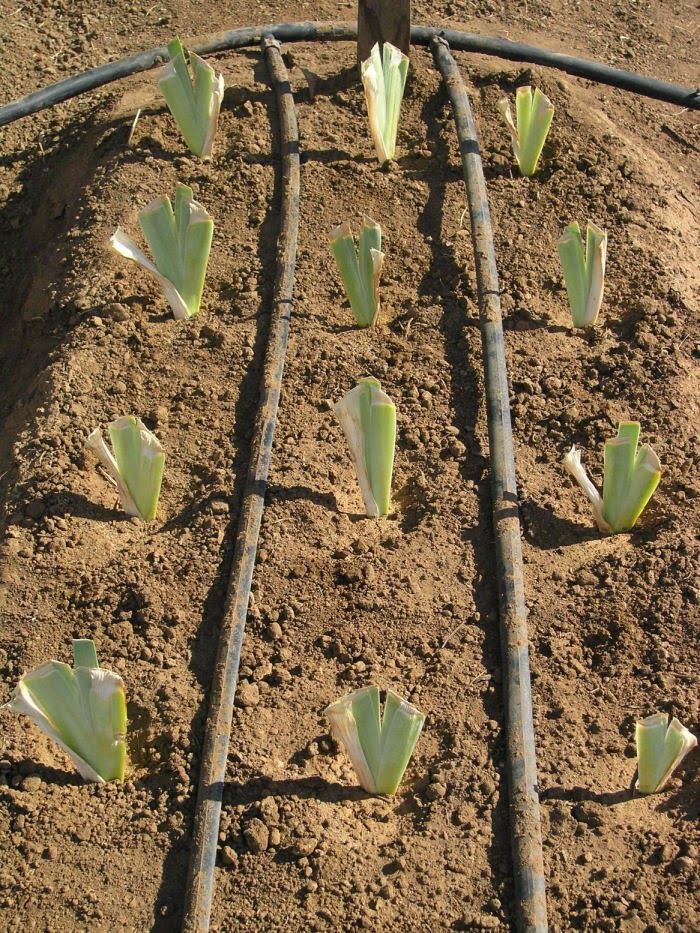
340	601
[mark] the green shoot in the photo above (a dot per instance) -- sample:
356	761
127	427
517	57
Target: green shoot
631	475
180	241
384	79
368	418
195	104
661	746
83	709
534	114
379	747
360	269
584	271
136	467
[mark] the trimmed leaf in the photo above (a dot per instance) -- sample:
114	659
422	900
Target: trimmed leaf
368	418
82	709
136	465
630	477
384	79
584	271
379	747
194	101
180	241
534	114
360	269
661	747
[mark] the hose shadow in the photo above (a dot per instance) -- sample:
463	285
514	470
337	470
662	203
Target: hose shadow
169	900
462	344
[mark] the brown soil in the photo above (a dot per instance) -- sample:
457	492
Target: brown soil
338	600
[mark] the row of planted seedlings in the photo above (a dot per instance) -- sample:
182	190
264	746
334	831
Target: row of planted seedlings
83	708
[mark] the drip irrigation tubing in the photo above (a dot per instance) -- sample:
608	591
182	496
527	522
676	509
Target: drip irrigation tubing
205	834
523	796
347	32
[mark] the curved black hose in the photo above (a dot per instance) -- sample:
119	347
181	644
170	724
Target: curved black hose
580	67
200	881
524	809
329	32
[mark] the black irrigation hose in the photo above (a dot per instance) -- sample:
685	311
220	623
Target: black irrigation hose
200	881
328	32
524	808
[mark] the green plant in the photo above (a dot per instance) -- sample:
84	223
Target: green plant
384	79
360	269
661	746
83	709
631	476
180	241
195	101
379	746
584	271
368	418
533	113
136	467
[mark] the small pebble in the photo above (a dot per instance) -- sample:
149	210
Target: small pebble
257	836
306	845
247	695
35	509
436	791
274	631
31	783
115	311
229	856
488	922
269	811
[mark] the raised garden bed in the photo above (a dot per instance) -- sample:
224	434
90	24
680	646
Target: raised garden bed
338	599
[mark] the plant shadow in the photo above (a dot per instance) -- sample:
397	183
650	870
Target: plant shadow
51	175
584	794
79	506
547	531
326	500
306	788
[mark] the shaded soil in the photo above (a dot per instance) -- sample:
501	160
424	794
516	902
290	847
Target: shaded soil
340	601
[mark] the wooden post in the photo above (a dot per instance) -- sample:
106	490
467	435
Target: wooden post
383	21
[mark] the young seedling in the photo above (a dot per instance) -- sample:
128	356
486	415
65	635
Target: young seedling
360	269
379	746
584	271
661	746
533	113
83	709
136	467
180	241
384	79
630	477
368	418
195	104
